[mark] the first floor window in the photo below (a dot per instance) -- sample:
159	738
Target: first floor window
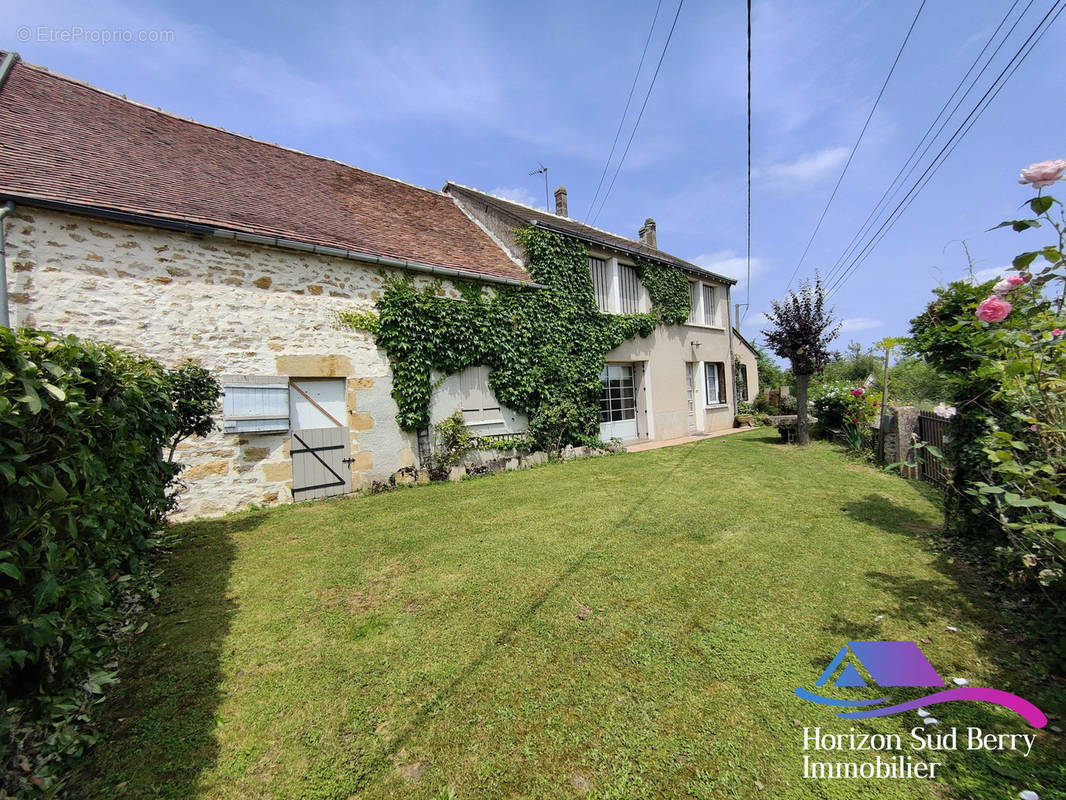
601	282
714	376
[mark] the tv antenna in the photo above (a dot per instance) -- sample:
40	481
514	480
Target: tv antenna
543	169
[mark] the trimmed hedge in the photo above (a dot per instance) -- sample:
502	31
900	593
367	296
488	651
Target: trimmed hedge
83	484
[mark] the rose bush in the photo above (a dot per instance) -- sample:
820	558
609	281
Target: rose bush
1007	439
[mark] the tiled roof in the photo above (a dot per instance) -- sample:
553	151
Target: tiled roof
579	229
63	141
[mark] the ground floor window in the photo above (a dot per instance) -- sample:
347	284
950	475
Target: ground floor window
618	401
714	377
742	382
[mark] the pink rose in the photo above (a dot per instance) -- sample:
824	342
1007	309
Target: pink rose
857	392
1057	332
993	309
1044	173
1009	284
1017	280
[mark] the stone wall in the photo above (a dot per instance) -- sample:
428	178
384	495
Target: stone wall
235	308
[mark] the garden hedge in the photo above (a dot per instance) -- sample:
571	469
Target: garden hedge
83	485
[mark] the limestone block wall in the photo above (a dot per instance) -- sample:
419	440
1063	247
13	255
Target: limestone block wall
234	308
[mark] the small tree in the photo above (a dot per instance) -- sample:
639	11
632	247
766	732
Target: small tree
802	330
194	393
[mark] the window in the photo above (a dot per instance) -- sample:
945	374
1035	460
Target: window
629	289
478	402
710	305
714	376
742	382
618	401
255	404
705	304
601	282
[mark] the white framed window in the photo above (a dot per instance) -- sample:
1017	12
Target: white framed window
617	287
629	289
710	305
714	382
477	400
693	302
706	304
601	282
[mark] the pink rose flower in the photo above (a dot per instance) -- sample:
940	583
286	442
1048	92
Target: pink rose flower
1057	332
1009	284
993	309
857	392
1044	173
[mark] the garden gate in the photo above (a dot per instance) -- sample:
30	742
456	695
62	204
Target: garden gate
931	430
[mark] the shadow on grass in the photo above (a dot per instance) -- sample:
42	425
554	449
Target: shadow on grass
961	595
158	731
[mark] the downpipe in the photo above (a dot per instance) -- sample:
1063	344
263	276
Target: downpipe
5	317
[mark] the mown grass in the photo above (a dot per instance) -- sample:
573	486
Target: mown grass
429	642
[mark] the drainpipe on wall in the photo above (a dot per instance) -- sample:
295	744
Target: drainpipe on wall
5	319
729	330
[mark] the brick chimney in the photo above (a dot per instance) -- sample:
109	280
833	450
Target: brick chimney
647	233
560	201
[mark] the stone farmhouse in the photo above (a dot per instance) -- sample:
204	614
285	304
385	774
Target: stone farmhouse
175	239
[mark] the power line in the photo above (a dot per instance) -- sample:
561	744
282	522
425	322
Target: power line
847	164
625	111
896	181
641	114
747	285
949	147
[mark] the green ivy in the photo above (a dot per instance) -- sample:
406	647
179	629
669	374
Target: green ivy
545	348
668	287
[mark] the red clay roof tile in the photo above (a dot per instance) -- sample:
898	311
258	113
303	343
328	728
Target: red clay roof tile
64	141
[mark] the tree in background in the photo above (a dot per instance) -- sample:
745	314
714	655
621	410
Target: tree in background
771	376
854	367
802	330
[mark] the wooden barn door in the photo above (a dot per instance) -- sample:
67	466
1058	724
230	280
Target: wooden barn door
320	446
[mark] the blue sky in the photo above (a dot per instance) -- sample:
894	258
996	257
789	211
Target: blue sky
480	92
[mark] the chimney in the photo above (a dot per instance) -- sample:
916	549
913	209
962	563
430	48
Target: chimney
560	201
647	233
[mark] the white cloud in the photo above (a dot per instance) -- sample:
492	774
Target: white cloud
985	275
807	167
730	264
516	194
860	324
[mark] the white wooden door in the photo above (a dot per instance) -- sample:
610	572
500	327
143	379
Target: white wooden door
690	393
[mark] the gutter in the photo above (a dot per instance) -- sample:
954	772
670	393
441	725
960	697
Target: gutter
199	229
6	65
5	319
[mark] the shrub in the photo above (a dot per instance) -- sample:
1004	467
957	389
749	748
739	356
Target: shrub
83	428
1003	347
788	404
454	441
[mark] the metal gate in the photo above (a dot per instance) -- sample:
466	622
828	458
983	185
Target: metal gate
931	430
320	463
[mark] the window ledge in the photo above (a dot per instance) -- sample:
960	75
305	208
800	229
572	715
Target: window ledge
485	422
716	406
704	327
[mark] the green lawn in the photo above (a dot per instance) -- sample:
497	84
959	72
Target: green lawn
427	642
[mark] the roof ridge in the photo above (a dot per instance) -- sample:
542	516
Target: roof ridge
190	121
542	211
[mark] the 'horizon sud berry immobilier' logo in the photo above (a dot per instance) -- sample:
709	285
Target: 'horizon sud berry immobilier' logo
896	663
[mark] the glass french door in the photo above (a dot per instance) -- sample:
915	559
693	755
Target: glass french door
618	403
690	394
